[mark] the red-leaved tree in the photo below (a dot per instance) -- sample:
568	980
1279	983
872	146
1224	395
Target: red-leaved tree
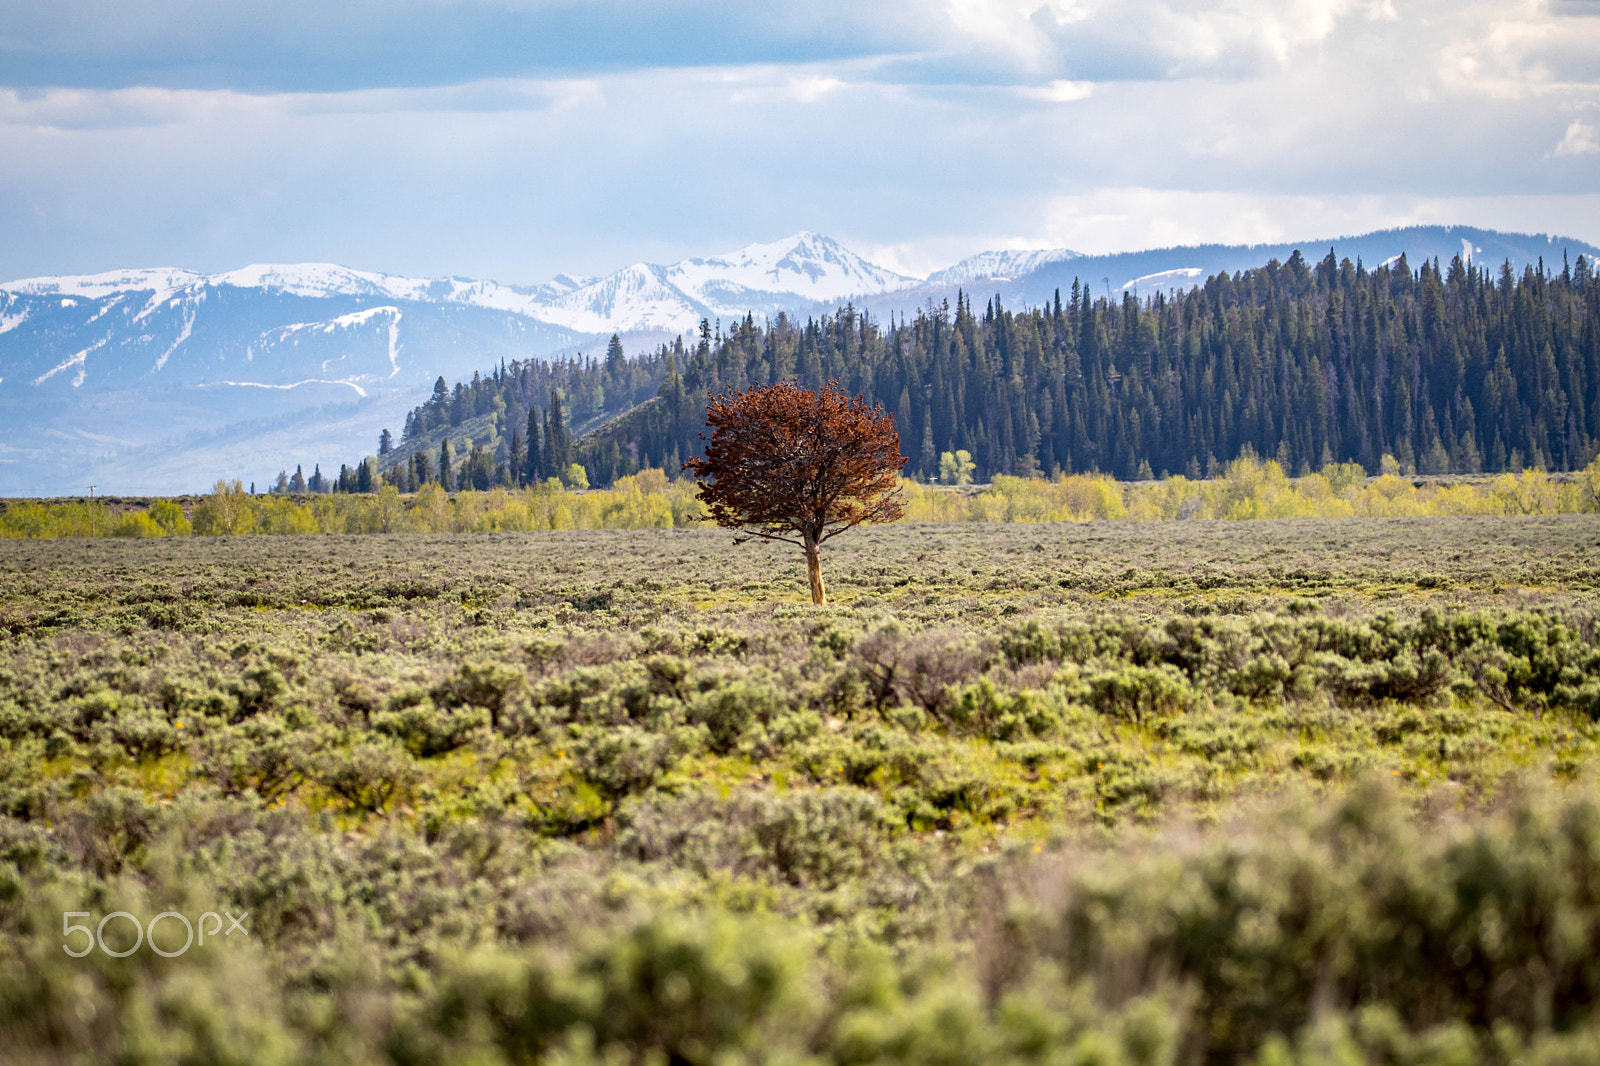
785	463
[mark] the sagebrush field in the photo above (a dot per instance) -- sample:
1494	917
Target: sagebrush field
1161	792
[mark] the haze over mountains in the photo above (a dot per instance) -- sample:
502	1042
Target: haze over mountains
162	380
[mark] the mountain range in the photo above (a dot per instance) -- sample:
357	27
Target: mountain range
162	380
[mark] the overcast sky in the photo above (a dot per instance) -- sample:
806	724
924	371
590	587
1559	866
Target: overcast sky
515	139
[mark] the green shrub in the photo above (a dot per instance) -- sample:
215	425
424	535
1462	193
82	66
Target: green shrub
1137	693
707	990
427	730
814	839
367	774
492	686
264	754
729	711
624	760
136	524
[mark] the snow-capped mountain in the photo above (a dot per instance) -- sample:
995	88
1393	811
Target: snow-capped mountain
761	279
803	269
999	266
807	265
316	351
163	379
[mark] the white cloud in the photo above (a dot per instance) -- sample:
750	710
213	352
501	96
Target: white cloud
1217	120
1120	219
1530	50
1060	91
1580	139
771	85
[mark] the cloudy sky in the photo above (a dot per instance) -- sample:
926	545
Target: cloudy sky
512	139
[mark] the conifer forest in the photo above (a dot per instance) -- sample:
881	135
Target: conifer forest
1456	369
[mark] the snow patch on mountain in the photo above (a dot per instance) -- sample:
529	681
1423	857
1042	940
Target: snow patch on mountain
1163	277
183	334
1000	265
95	286
284	388
78	360
321	280
354	318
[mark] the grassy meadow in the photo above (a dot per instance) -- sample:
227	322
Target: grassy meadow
1026	792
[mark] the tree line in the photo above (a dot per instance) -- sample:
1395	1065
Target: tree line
1458	369
1247	488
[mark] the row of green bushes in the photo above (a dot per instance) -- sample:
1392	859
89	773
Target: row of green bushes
1249	489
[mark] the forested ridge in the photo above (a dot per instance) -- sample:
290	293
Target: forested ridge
1452	369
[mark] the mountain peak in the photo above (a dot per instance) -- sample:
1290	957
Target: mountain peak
807	264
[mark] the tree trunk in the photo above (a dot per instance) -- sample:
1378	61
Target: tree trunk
819	595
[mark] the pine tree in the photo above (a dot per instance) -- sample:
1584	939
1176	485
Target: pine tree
927	460
446	475
557	442
385	443
533	469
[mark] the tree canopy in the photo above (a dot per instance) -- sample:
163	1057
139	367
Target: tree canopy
799	466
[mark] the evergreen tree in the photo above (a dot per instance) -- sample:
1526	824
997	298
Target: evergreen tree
557	441
298	482
478	470
385	443
446	478
616	362
533	470
927	461
438	405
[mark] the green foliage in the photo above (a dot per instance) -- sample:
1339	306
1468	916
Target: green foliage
955	468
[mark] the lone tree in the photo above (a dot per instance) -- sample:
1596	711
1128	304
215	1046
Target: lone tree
788	464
